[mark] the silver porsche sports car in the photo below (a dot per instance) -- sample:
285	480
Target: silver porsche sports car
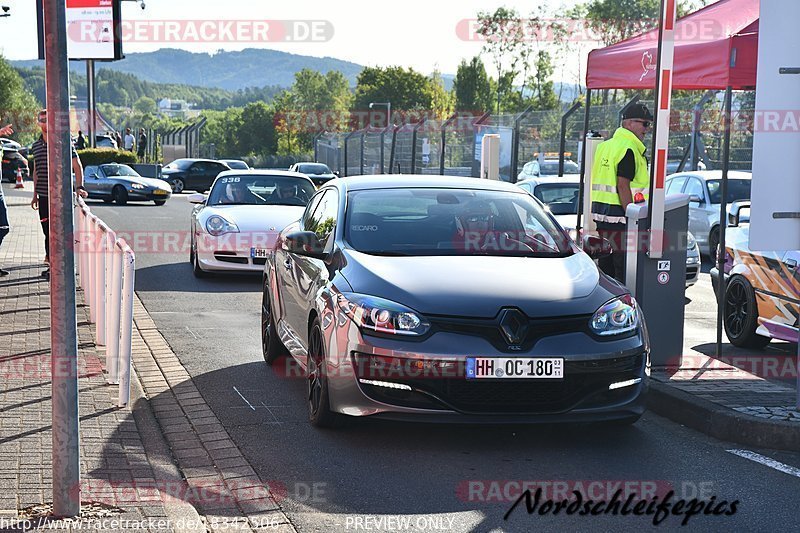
449	299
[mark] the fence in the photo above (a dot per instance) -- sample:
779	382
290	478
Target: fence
452	146
183	142
106	266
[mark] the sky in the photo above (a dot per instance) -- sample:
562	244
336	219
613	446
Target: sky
414	33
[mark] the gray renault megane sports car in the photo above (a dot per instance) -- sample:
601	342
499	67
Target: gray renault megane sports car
449	299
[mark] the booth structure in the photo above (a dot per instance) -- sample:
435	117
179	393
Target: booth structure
715	48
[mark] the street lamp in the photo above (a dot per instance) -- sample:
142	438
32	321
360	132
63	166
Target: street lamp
388	111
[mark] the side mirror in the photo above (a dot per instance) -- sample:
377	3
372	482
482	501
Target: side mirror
596	247
696	198
93	176
197	198
337	173
305	243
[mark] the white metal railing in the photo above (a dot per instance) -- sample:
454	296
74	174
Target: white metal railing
106	266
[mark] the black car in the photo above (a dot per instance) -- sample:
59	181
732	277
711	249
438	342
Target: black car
192	174
319	173
13	160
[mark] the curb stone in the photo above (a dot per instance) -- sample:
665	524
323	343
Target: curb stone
205	453
722	422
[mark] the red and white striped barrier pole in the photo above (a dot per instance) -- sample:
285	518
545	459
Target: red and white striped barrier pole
666	55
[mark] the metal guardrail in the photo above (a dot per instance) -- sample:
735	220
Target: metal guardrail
106	266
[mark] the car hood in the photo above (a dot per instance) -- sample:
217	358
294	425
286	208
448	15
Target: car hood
150	182
256	218
479	286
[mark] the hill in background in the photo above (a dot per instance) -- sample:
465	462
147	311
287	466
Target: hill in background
231	71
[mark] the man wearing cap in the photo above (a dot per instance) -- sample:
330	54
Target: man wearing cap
619	178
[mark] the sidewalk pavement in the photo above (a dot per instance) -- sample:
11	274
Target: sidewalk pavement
164	463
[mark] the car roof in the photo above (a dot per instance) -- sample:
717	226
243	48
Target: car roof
261	172
401	181
714	174
554	180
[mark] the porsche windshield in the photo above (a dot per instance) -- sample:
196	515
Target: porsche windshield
451	222
261	190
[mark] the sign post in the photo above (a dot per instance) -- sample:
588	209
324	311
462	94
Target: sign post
63	321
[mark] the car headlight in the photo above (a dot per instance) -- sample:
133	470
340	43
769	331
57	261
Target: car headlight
616	317
690	242
216	225
383	316
137	186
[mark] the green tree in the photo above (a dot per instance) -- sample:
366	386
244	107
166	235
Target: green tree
17	105
406	89
145	106
544	96
472	87
504	34
256	131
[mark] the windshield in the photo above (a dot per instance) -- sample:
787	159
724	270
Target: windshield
561	198
550	168
180	164
261	190
315	169
738	189
118	170
413	222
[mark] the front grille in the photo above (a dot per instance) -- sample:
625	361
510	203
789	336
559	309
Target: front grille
489	329
225	257
261	261
585	384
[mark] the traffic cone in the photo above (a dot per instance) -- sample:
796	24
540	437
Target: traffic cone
19	184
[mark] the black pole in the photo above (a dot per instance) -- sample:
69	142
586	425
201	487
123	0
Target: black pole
563	145
383	141
723	216
579	225
444	143
392	149
363	141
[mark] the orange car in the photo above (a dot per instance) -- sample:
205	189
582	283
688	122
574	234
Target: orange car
762	296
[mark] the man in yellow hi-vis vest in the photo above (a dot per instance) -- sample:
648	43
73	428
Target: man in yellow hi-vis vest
620	177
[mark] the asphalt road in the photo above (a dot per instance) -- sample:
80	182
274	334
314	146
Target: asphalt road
375	476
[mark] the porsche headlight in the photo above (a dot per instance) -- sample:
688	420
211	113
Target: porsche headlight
383	316
616	317
216	225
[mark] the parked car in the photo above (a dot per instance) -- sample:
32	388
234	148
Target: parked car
319	173
549	167
192	174
393	293
13	160
105	141
235	164
235	226
560	195
704	189
10	144
761	292
114	182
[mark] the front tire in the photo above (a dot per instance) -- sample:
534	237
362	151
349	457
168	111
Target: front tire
159	202
178	185
271	346
319	408
120	195
741	315
196	269
713	243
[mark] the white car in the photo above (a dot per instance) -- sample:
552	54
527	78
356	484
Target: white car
704	189
560	195
236	224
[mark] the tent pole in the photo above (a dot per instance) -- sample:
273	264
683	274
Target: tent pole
579	225
723	216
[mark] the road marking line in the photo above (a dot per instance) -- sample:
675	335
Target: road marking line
243	398
766	461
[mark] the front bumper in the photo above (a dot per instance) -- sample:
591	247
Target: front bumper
583	395
231	252
136	194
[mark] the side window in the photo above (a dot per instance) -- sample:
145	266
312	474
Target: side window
92	171
675	185
694	186
197	168
307	220
216	168
323	221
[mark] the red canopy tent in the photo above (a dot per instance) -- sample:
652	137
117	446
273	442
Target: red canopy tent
715	47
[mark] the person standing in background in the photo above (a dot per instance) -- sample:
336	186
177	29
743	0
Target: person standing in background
80	142
142	145
130	140
41	184
5	227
